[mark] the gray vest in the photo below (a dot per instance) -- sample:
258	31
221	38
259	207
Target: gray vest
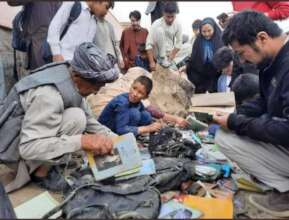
12	113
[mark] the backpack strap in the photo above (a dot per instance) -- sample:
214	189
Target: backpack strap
74	14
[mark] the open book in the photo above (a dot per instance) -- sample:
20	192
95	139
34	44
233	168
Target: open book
126	158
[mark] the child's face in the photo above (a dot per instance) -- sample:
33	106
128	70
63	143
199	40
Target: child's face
137	92
144	55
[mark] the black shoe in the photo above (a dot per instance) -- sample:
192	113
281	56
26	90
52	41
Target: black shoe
54	181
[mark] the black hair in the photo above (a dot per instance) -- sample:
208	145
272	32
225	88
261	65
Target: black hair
245	86
223	17
170	7
196	24
146	82
136	14
142	48
110	3
223	57
244	27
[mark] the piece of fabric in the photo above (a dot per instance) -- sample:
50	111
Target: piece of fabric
84	27
105	39
208	51
224	83
122	116
129	44
92	63
276	10
270	110
200	72
163	38
268	163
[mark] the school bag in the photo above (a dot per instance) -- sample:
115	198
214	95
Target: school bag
134	198
74	14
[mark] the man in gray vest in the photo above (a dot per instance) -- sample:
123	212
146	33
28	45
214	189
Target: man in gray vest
45	115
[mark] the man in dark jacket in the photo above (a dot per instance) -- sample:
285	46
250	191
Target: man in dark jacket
37	17
258	133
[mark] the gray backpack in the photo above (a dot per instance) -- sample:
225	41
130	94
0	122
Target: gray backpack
134	198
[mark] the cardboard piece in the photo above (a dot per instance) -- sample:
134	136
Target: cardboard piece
219	99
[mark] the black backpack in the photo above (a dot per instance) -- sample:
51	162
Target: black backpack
134	198
19	42
74	14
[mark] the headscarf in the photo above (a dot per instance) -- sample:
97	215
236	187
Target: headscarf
200	67
93	64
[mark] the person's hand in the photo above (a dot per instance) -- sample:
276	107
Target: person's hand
121	64
181	122
98	144
153	66
183	69
57	58
221	118
156	126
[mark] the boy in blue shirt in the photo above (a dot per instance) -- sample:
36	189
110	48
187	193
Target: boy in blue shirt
126	113
141	59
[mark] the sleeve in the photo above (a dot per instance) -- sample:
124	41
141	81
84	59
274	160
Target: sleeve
57	25
178	36
279	10
149	40
39	139
93	126
254	108
265	128
123	119
155	112
115	43
122	43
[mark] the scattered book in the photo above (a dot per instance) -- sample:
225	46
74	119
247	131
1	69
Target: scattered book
126	157
147	168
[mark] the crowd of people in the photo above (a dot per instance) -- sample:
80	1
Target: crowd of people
246	53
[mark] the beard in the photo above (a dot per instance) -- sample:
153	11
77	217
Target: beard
265	63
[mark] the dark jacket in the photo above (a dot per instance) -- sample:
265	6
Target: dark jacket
267	117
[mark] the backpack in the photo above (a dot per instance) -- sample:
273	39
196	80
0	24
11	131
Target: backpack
134	198
172	172
74	14
169	142
19	42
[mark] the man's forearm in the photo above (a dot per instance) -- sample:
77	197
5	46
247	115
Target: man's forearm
150	55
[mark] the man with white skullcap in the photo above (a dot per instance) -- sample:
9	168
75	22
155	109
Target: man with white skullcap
50	118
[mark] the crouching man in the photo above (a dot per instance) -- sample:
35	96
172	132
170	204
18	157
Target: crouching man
257	135
45	116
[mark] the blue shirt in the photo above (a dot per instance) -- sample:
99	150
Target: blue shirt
144	63
122	116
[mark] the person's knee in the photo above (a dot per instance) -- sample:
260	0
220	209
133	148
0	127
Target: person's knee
223	139
73	121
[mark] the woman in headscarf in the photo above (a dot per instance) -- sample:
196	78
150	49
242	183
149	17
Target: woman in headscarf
200	69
